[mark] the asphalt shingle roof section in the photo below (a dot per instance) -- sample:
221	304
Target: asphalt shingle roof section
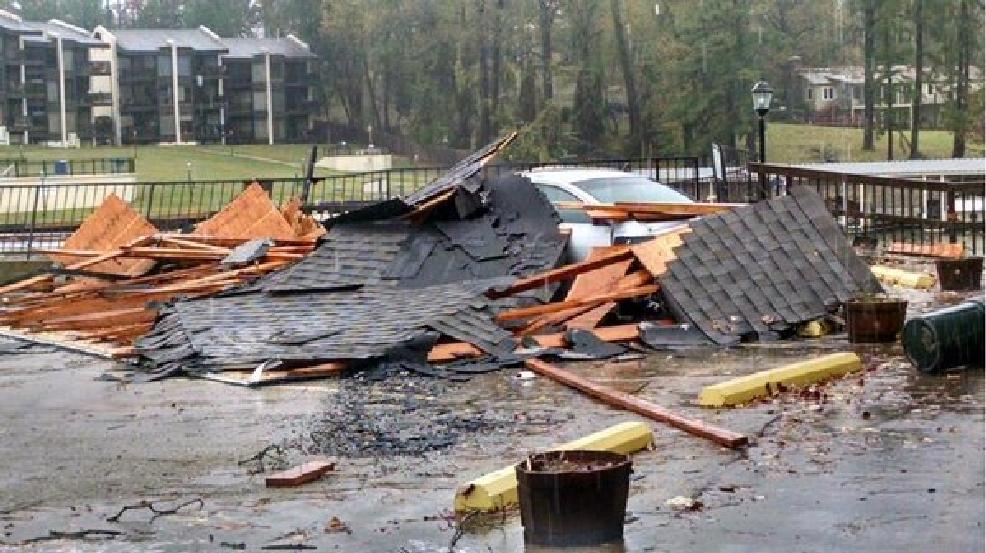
764	268
250	47
152	40
371	288
246	330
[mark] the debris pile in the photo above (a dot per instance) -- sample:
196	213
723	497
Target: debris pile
118	269
459	278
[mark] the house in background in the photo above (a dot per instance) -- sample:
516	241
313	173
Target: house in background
835	95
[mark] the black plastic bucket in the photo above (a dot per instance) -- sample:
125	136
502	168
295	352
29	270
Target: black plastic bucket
573	498
947	338
874	320
960	274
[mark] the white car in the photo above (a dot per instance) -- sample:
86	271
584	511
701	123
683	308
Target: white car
597	187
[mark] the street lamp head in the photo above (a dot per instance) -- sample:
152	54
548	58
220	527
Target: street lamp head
762	94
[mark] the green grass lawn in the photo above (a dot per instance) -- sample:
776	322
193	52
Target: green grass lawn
792	143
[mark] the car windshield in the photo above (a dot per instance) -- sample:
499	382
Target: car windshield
630	189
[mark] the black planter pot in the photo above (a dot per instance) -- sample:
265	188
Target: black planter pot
960	274
877	320
582	502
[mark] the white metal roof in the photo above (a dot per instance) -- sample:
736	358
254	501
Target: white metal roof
563	175
953	166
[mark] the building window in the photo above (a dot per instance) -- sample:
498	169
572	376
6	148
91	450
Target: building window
828	93
809	93
931	89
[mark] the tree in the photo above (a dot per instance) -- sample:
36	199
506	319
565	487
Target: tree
228	18
918	76
629	79
587	106
869	84
547	9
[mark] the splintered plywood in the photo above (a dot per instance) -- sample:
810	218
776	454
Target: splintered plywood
114	224
602	280
251	215
304	226
655	254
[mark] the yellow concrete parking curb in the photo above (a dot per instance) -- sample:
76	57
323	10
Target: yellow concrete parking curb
745	388
498	490
900	277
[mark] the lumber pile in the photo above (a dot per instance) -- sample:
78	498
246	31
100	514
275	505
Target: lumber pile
118	269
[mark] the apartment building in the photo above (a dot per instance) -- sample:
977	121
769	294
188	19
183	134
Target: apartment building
269	90
167	85
62	85
47	74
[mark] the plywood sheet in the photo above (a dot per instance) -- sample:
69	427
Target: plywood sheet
251	215
655	254
113	224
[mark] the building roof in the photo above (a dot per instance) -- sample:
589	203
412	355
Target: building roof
13	23
916	167
66	31
250	47
152	40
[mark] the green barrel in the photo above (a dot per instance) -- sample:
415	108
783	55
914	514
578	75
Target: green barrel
950	337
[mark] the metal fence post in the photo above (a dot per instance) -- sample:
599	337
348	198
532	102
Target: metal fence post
150	201
34	216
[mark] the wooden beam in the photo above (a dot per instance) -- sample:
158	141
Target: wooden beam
723	437
303	474
444	353
563	273
618	333
528	312
41	279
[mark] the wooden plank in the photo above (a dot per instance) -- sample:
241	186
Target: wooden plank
528	312
669	208
302	474
928	250
617	333
655	254
637	405
42	279
444	353
566	272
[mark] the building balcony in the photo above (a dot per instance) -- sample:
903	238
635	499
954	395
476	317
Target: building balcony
238	83
137	76
211	71
101	98
98	67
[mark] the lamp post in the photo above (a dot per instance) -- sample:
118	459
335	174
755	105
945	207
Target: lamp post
762	94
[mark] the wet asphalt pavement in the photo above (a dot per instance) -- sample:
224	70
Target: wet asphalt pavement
885	460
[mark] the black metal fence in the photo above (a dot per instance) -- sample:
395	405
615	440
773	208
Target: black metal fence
39	217
884	209
20	167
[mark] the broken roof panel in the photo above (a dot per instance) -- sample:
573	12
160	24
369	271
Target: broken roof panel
249	329
113	224
515	234
252	214
763	268
459	173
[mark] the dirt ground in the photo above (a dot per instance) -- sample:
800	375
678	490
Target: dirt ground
885	460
